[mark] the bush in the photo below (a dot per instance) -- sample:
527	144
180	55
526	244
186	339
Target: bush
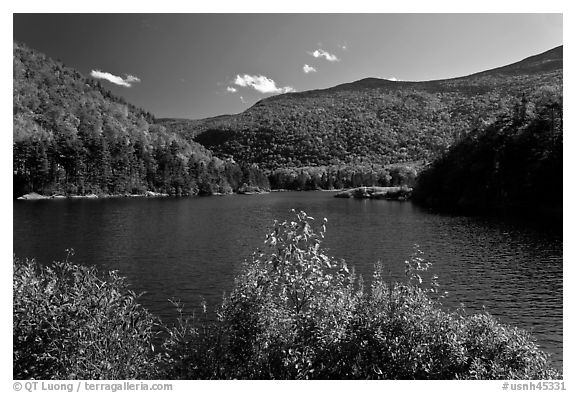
69	323
291	304
295	313
192	348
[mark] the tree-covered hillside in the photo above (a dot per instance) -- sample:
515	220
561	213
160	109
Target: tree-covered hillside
72	136
371	121
512	164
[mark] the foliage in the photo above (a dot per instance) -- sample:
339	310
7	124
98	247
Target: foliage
371	121
69	323
290	298
344	176
512	164
295	313
72	136
192	348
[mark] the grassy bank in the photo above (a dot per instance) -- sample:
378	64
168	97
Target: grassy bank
294	313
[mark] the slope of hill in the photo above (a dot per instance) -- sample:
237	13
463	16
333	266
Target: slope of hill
71	136
371	121
512	165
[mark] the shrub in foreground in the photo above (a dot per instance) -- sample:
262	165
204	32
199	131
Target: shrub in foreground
70	323
295	313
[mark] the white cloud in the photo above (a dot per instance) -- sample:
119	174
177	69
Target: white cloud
242	99
322	53
117	80
132	78
231	89
393	79
261	84
344	46
307	69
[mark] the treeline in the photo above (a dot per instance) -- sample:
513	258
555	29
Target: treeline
512	164
71	136
343	176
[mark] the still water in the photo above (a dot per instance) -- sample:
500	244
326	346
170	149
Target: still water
191	248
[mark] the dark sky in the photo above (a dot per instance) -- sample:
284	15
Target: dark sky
200	65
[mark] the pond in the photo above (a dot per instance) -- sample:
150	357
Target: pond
191	248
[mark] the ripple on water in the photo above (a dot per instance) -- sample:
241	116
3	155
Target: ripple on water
191	248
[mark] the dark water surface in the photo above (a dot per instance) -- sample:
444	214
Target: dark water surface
191	248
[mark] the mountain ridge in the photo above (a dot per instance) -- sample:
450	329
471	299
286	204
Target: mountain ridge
553	56
72	136
371	120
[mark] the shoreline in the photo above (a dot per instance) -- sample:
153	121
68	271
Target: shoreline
397	193
33	196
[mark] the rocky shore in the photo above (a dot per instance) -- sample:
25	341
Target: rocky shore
33	196
251	190
389	193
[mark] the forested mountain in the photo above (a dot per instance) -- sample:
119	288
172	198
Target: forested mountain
512	164
72	136
371	121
